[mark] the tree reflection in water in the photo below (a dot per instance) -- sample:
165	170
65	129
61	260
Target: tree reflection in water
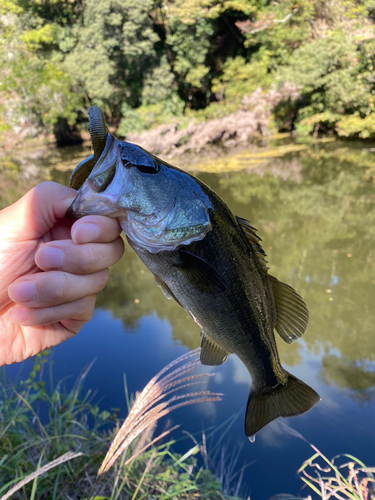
314	208
315	212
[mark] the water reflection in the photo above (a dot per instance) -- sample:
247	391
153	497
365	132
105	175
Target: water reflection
317	220
314	209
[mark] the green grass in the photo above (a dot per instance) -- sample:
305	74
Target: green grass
344	477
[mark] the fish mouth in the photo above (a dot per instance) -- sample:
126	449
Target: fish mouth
88	184
109	139
88	203
70	213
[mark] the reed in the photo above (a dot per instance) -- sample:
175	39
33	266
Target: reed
151	405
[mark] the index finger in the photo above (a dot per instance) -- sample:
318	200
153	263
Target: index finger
95	229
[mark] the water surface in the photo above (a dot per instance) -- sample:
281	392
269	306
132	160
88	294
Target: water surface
314	207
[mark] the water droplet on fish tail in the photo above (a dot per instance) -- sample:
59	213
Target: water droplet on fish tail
252	439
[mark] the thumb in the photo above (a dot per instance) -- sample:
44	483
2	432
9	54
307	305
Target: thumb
37	211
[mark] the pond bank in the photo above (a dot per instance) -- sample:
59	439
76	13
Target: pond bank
248	124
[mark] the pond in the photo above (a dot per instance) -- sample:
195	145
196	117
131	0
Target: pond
314	208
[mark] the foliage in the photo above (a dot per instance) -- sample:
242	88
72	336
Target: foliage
144	117
148	62
27	436
239	78
31	87
45	87
152	404
279	28
113	51
332	86
355	125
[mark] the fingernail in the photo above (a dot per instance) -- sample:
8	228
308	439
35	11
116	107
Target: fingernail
50	258
18	314
85	233
22	292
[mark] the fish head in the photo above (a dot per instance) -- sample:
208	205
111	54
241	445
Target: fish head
158	206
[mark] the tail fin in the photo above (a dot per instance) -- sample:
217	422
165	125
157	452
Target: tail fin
285	400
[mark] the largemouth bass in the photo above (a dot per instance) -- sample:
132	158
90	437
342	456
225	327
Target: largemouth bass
204	257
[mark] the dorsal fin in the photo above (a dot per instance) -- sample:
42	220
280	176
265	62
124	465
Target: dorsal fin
253	239
291	311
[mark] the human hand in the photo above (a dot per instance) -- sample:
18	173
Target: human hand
50	270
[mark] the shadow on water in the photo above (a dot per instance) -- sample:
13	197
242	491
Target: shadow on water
314	208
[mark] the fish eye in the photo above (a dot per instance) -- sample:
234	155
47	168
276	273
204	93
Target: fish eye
134	156
146	165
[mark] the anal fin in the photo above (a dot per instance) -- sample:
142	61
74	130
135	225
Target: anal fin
212	354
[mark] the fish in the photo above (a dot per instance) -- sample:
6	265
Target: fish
208	260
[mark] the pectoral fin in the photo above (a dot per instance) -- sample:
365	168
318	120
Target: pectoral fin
212	354
291	311
200	274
